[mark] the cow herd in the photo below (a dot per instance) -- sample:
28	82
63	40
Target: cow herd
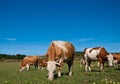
61	51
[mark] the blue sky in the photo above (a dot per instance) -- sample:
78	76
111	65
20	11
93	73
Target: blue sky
29	26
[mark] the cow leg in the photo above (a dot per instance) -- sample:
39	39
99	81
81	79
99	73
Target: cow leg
60	67
115	63
28	67
70	65
101	66
59	71
36	65
70	68
87	66
98	64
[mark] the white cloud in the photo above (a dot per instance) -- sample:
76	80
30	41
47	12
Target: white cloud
10	39
84	39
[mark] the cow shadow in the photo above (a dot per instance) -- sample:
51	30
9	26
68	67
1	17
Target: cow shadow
117	68
95	70
62	74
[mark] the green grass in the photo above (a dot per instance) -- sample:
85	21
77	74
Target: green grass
9	74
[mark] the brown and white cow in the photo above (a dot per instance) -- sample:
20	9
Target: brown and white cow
97	54
116	59
43	63
59	52
27	61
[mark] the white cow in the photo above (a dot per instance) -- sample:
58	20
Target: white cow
97	54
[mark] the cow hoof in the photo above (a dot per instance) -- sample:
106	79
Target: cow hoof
59	76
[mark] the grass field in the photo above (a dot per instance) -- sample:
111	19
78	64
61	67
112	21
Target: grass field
9	74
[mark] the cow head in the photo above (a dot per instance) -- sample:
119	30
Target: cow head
22	68
110	59
82	61
51	67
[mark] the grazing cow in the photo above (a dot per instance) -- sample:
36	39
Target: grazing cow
97	54
29	60
59	52
43	63
116	59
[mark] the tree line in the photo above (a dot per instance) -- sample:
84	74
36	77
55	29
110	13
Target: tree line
20	56
13	57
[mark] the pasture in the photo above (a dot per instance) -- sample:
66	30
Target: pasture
9	74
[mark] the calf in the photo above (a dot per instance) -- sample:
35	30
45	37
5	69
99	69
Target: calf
43	63
27	61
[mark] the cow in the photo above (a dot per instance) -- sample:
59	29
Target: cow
27	61
59	52
97	54
43	63
116	59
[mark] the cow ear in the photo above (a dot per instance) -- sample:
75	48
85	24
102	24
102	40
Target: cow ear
58	64
52	45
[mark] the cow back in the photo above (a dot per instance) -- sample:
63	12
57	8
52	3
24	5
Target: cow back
30	60
60	49
103	53
95	53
